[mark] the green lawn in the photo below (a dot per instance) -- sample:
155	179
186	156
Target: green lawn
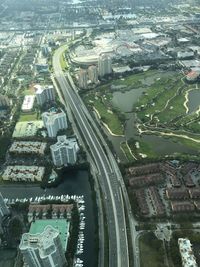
63	62
151	251
108	117
174	109
144	149
126	151
29	92
28	117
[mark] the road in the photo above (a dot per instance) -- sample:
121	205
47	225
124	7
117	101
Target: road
110	186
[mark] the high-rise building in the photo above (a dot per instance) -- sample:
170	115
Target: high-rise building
4	101
43	249
93	74
54	120
82	78
3	208
104	65
64	152
44	94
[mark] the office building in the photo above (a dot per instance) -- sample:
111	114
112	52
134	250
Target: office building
3	208
64	152
82	79
54	120
43	249
93	74
104	65
44	94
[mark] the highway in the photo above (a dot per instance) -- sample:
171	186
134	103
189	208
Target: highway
110	186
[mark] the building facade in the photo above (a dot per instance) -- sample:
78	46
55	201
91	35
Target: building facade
43	250
82	79
64	152
44	94
54	121
4	211
93	74
104	65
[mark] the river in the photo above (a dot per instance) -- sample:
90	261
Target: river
74	183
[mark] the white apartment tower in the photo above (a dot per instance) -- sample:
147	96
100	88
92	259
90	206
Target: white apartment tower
44	94
43	250
93	74
104	65
82	78
64	152
54	121
3	208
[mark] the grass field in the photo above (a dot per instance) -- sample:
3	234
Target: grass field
127	152
63	62
108	117
106	113
28	117
151	251
142	149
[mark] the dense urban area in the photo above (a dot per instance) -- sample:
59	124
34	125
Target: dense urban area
99	133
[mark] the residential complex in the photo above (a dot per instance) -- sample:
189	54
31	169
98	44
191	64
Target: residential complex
82	79
93	74
185	248
28	103
54	120
104	65
28	147
3	208
64	152
23	173
44	94
4	101
43	249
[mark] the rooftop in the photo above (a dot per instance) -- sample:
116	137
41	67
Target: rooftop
61	225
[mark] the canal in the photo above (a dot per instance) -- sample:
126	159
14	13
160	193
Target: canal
74	183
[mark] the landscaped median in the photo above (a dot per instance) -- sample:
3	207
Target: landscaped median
63	61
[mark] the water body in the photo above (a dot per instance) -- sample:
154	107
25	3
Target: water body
193	100
74	183
161	145
125	100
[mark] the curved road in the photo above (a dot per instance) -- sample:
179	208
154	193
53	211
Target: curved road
118	246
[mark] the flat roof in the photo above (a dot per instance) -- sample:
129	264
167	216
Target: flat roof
27	128
61	225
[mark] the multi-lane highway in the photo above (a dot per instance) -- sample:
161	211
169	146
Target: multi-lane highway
110	185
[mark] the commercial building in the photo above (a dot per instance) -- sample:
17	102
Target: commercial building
44	94
93	74
3	208
64	152
43	249
82	79
28	103
54	120
104	65
187	256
